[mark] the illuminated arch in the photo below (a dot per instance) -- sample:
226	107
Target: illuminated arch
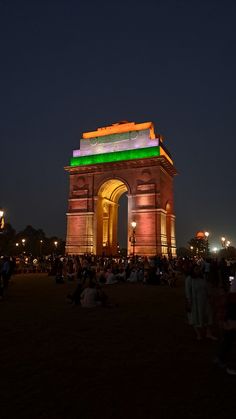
108	195
107	160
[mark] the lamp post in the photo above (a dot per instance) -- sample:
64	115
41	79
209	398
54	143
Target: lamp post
223	242
133	239
207	242
41	244
23	242
1	220
56	243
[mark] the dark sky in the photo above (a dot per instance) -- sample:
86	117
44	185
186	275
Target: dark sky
72	66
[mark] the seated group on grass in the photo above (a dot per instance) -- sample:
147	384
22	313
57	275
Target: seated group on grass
88	292
110	271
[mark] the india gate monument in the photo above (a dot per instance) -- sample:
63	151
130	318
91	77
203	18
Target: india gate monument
121	158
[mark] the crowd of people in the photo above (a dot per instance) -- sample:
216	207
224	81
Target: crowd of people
155	271
210	288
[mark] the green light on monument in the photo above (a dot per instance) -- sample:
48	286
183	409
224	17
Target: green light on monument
139	153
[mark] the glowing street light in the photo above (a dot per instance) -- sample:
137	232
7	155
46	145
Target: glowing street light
55	244
223	241
23	242
1	219
133	238
207	234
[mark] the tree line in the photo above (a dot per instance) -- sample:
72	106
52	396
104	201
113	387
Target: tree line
29	241
199	247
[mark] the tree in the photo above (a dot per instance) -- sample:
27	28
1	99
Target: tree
30	241
183	252
7	240
199	246
227	253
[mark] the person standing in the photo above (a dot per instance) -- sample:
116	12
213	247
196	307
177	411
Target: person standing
197	304
229	327
5	274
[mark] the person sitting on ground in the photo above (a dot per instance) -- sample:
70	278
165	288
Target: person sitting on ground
133	275
121	275
110	277
101	275
89	296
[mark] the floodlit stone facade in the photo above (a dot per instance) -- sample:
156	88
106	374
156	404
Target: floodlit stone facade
144	170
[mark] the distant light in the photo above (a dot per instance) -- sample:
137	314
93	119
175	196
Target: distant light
207	234
215	249
133	224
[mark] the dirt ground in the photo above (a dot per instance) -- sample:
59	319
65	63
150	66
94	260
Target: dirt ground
138	359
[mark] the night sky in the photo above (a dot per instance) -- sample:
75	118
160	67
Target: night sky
72	66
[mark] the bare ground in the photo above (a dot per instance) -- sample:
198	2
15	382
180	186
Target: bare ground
138	359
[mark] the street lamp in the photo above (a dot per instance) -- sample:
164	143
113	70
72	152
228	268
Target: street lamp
55	252
206	234
223	240
23	242
41	244
133	239
1	219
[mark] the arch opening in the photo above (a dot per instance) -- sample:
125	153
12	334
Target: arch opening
109	194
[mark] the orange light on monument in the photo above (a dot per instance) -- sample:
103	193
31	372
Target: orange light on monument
119	128
200	235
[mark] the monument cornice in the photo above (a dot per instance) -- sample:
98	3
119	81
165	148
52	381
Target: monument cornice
125	164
